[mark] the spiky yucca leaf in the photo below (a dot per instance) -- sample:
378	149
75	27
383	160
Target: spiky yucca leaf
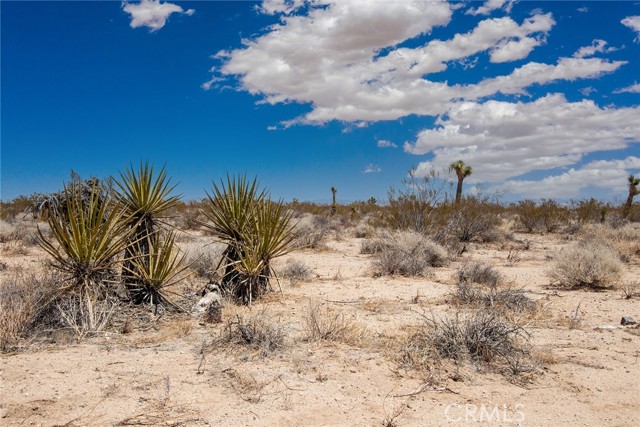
230	208
164	267
255	229
143	195
88	234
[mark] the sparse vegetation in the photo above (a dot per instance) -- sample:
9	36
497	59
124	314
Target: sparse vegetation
589	265
408	254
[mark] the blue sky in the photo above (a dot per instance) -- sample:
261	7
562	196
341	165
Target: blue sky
542	99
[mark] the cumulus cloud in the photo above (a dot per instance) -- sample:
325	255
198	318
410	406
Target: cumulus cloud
633	22
383	143
348	72
597	46
583	9
504	140
371	168
634	88
152	13
606	174
491	5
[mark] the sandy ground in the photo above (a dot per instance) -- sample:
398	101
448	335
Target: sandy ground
161	376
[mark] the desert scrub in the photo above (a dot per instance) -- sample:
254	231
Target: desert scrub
408	253
259	332
296	271
480	273
24	301
325	324
483	338
624	240
589	265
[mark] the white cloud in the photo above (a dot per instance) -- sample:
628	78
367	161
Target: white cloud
491	5
587	91
583	9
606	174
633	22
371	168
272	7
152	13
348	72
569	69
383	143
597	46
503	140
634	88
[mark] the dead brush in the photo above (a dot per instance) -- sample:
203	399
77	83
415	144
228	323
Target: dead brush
480	273
409	254
258	331
478	285
296	271
484	338
325	324
24	302
590	265
631	290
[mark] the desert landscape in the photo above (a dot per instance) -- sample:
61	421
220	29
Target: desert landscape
490	314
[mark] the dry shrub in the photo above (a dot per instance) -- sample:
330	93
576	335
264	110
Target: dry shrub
470	219
25	300
590	265
624	240
296	271
484	338
408	253
205	260
312	231
480	273
631	290
478	285
258	331
325	324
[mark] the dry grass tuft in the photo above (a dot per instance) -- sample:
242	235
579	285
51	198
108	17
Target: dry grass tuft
258	331
296	271
24	302
479	273
325	324
408	253
589	265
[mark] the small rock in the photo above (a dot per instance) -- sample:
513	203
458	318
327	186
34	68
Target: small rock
627	320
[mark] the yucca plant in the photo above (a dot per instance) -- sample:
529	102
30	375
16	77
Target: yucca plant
255	229
88	233
164	267
146	198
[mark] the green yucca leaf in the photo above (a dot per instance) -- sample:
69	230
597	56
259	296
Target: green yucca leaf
164	266
87	236
145	195
230	208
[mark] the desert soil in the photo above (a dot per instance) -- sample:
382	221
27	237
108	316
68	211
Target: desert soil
158	374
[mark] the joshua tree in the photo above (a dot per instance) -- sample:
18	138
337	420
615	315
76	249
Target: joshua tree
633	191
333	202
462	171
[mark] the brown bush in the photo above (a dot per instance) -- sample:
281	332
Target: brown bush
590	265
25	300
408	253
